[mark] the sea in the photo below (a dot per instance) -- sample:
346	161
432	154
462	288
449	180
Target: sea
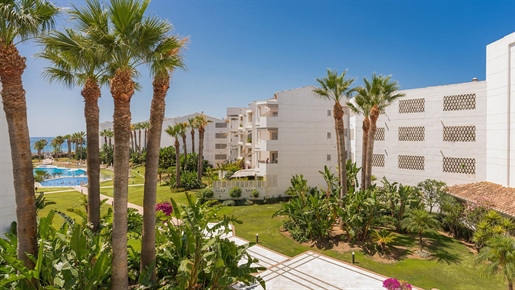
48	148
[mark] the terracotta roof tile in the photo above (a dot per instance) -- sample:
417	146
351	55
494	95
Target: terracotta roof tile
502	198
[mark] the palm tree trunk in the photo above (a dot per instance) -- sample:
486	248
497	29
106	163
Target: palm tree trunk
193	140
122	89
139	141
177	163
69	149
157	112
510	285
366	128
12	66
91	93
200	164
342	158
185	151
374	115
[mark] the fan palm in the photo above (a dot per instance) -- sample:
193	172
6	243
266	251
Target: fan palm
202	122
420	221
40	145
335	87
163	61
383	91
499	254
193	125
182	131
68	138
173	131
21	20
77	61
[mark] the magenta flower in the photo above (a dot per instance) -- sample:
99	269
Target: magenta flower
165	207
394	284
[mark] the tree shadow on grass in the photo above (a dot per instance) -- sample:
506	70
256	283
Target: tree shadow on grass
444	256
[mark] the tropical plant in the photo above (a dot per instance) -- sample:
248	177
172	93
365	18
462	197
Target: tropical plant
452	213
202	122
173	131
254	193
21	20
352	175
499	255
362	211
68	139
40	145
382	91
398	199
205	194
383	238
331	181
235	192
166	157
193	124
335	87
490	225
420	221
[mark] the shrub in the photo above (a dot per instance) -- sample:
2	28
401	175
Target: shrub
254	193
204	194
165	207
235	192
189	180
229	202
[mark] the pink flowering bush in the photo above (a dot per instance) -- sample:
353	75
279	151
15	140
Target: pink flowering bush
165	207
394	284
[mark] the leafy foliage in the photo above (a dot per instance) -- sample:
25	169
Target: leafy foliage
235	192
361	212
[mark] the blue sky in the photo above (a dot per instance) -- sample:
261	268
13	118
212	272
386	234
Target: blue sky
240	51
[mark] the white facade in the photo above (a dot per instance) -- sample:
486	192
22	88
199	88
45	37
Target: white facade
292	133
435	132
7	200
215	141
500	122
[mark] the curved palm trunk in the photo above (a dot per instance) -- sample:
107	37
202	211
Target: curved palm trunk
364	147
374	115
122	89
200	164
12	66
193	140
91	93
177	163
157	112
39	154
340	138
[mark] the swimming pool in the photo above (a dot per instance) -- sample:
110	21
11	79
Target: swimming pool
65	181
61	171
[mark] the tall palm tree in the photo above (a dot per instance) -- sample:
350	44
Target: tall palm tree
193	125
182	131
40	145
76	61
103	134
335	87
499	254
133	137
202	122
19	22
361	105
174	131
68	138
383	91
165	59
145	126
55	144
110	135
60	140
128	37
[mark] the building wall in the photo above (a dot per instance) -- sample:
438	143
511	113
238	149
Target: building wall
7	201
500	122
435	132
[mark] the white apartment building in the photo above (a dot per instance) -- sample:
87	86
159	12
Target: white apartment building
215	137
292	133
7	201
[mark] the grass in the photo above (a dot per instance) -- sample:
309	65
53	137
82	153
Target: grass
452	265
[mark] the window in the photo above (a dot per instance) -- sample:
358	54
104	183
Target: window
328	113
220	156
220	146
412	106
221	125
328	135
220	135
328	157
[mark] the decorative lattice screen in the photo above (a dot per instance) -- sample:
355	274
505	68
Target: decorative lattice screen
378	160
459	102
459	134
459	165
412	106
411	162
412	133
379	136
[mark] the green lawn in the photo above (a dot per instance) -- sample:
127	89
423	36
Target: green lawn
451	268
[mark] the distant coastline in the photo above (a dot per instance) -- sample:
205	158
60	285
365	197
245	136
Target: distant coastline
48	148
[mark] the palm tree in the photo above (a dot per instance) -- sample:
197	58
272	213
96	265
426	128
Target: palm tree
103	134
55	144
127	37
383	237
60	140
361	105
110	135
499	254
19	22
68	139
133	137
336	88
193	125
420	221
76	61
40	145
202	122
174	131
145	126
383	91
182	132
163	61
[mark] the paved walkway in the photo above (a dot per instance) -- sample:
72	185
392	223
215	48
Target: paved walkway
84	190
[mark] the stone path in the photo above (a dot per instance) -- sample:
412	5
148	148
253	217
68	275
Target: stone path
84	190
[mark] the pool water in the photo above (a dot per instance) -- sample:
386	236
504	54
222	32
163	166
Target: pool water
60	176
61	171
65	181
